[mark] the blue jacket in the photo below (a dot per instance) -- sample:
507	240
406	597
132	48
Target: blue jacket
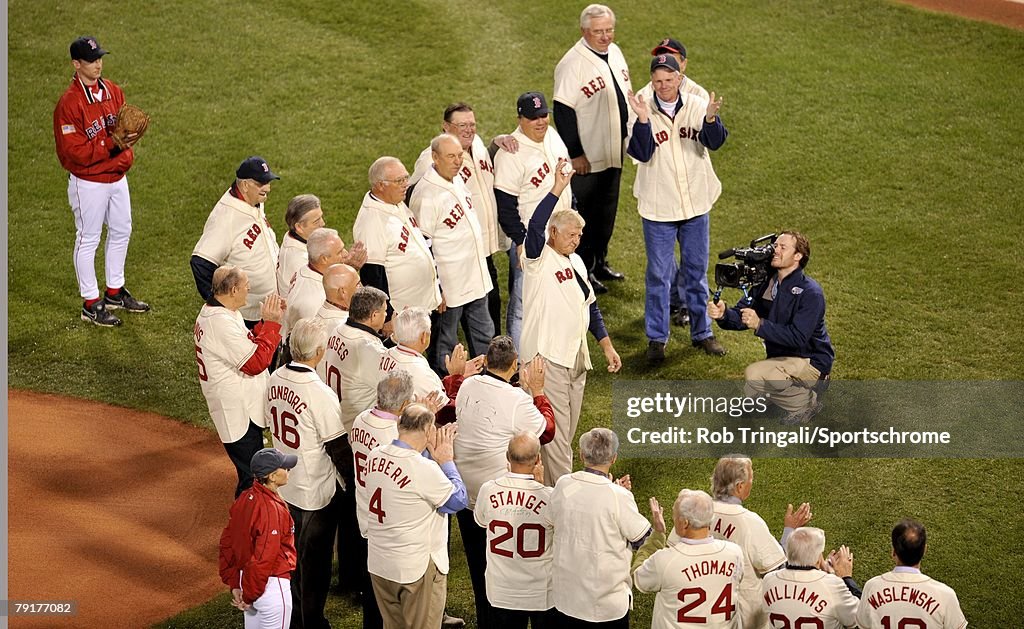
791	325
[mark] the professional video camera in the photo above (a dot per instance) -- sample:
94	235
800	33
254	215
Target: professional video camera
753	267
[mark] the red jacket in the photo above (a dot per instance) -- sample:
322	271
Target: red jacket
258	542
80	129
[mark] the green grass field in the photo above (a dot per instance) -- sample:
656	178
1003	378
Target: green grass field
892	137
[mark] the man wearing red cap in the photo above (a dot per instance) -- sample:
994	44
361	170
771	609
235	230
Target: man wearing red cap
97	185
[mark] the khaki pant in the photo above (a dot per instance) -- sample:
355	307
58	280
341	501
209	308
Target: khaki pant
564	389
787	382
412	605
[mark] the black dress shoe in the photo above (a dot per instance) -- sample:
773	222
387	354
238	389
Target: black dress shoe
599	288
655	352
606	273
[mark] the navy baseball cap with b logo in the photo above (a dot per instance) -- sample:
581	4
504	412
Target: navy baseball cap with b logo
532	105
86	49
664	61
268	460
255	167
669	45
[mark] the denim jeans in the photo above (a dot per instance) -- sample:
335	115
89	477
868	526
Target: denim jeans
660	240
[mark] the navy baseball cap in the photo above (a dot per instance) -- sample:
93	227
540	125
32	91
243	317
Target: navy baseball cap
669	45
664	61
255	167
86	49
267	460
532	105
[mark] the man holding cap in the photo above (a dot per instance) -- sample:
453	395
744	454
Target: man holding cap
238	233
97	185
675	187
521	180
257	547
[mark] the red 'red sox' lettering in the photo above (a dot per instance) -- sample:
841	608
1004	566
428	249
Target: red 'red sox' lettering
486	167
251	235
405	239
660	136
593	87
466	174
542	172
564	276
454	216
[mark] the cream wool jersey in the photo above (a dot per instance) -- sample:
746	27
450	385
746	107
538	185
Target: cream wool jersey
519	534
808	594
583	81
305	296
291	257
353	356
696	581
394	241
303	414
371	428
526	174
477	173
404	529
761	554
595	522
331	317
556	315
678	182
908	599
233	397
424	380
490	412
446	215
239	234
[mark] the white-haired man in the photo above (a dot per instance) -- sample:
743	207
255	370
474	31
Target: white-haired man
398	259
731	484
407	525
689	594
443	207
597	527
560	307
811	591
521	181
412	333
305	420
232	364
477	172
512	510
306	288
591	83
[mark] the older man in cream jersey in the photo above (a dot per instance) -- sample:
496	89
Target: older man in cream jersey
477	172
521	180
446	215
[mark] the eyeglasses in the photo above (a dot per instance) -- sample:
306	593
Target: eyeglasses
401	181
464	126
602	32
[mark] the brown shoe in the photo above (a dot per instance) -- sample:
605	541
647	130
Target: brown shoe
711	346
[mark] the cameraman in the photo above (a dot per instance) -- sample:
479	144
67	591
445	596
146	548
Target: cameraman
788	312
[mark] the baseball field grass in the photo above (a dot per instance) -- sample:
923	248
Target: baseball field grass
891	137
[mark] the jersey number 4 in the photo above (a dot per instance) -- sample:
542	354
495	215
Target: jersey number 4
507	531
723	604
375	507
284	428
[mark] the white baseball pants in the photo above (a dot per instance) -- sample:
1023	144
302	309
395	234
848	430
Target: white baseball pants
273	610
94	204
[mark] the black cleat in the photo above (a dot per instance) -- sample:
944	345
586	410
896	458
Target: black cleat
681	317
124	299
599	288
98	314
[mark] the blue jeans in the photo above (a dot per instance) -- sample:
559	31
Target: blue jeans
514	312
660	239
481	331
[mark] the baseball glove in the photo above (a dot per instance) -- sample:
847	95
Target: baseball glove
132	123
